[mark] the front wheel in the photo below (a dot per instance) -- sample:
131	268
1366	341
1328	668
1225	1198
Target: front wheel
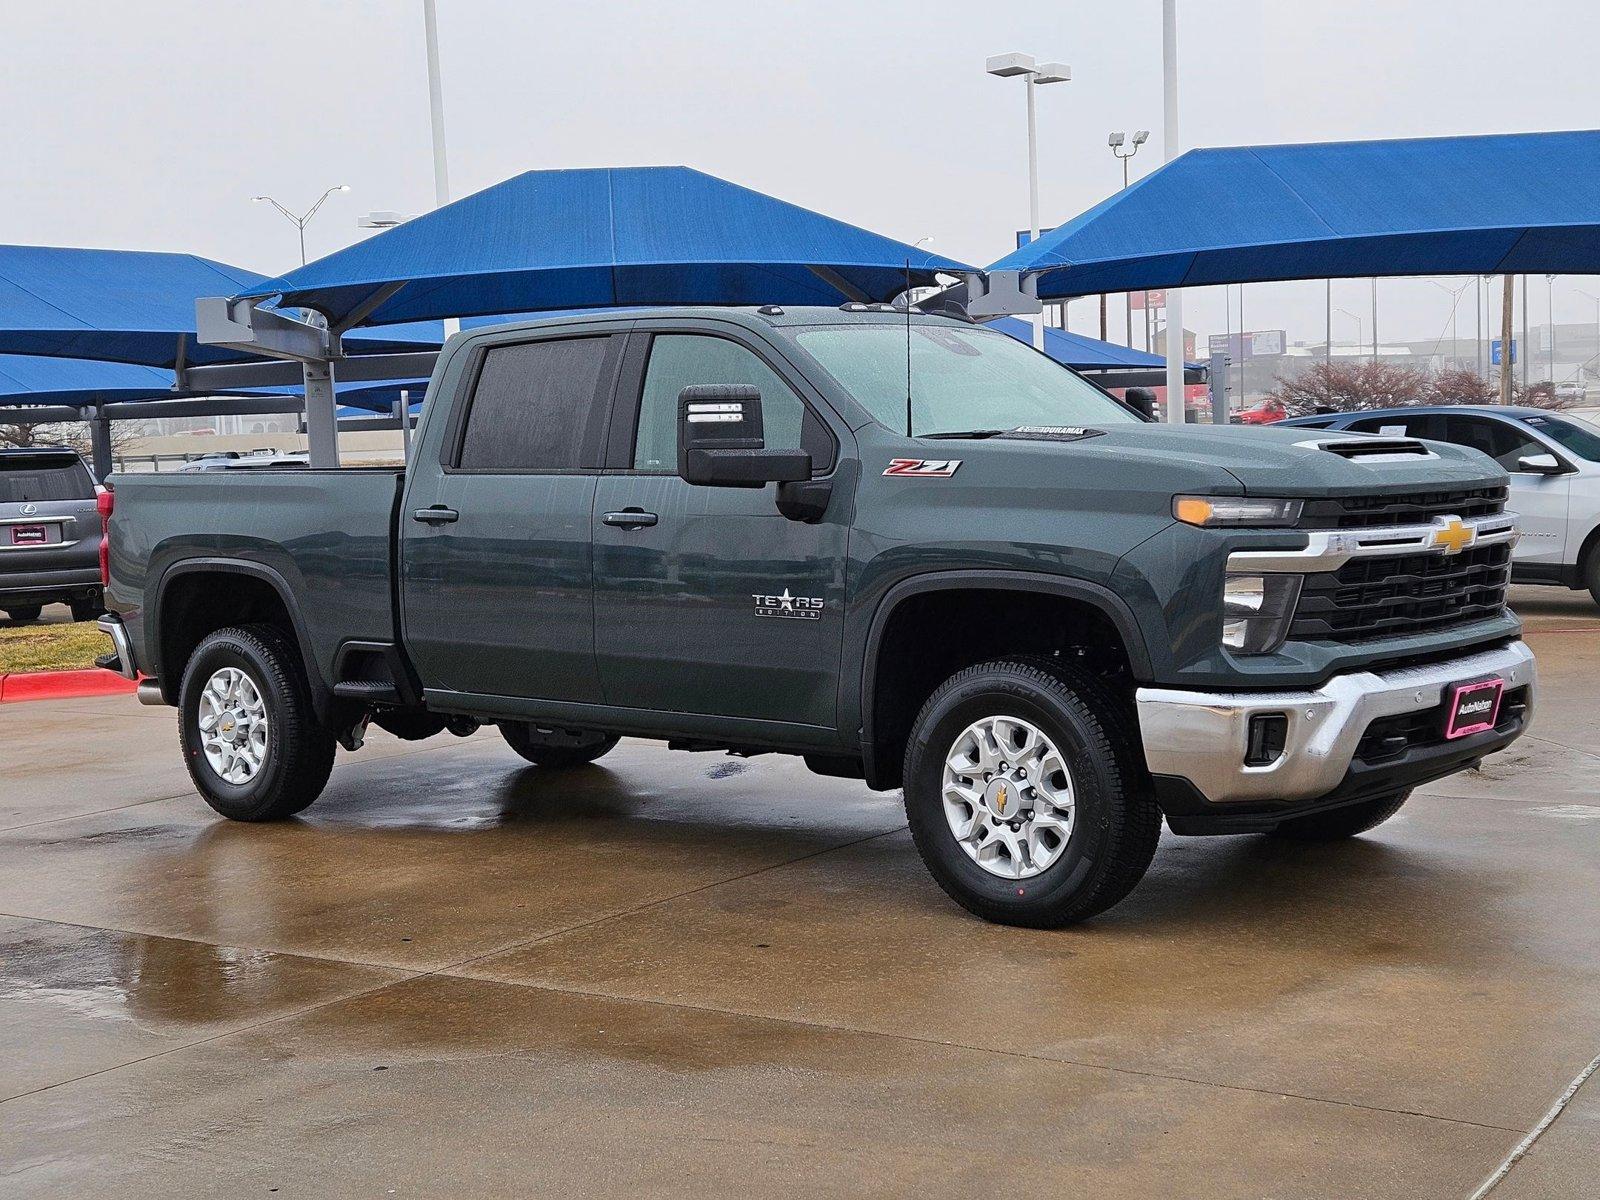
554	748
1026	793
250	738
1340	823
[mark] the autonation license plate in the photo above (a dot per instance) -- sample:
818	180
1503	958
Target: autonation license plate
28	535
1473	707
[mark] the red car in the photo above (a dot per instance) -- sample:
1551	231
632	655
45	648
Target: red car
1264	413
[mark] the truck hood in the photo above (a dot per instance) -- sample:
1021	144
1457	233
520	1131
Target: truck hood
1289	462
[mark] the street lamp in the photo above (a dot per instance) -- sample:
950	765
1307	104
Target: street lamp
1550	309
1455	303
303	219
1007	66
1596	300
1116	141
1360	337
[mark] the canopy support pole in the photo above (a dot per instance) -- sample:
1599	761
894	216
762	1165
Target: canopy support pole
322	421
100	444
1170	148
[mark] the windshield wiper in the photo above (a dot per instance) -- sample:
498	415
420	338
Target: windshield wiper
965	433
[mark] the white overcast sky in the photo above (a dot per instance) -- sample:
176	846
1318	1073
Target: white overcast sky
150	125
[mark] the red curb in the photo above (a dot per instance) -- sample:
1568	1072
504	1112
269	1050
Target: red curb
63	685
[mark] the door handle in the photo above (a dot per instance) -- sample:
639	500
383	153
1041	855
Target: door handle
631	518
437	515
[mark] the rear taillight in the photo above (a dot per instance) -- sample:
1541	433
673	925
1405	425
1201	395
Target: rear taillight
104	503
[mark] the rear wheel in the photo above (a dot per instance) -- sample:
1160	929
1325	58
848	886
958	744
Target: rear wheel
1026	793
546	747
250	737
1340	823
25	612
1591	571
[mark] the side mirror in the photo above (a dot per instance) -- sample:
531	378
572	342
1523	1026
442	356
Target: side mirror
1143	400
1541	464
720	440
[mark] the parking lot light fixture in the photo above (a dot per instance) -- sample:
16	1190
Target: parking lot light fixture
301	220
1116	141
1008	66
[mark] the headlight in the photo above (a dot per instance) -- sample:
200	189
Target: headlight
1256	611
1211	511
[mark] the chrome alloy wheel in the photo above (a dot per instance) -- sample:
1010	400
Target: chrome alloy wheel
233	725
1008	797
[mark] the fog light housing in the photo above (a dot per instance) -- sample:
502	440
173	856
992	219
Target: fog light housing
1267	736
1257	610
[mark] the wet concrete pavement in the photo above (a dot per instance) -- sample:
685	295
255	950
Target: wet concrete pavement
678	974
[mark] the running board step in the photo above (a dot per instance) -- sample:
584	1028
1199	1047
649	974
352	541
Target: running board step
373	692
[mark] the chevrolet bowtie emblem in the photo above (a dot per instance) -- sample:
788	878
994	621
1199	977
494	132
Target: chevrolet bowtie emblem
1000	801
1452	536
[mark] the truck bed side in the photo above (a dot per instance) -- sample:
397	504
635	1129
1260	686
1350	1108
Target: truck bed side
321	539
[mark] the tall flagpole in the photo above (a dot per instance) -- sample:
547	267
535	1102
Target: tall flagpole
1170	150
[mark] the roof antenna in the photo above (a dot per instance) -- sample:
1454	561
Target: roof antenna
908	346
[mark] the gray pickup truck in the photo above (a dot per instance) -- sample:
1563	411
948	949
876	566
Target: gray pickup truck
907	548
49	533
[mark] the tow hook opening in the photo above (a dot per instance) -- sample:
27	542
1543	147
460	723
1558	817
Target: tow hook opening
1268	733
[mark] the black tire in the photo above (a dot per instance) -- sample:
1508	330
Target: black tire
87	608
555	749
411	726
1339	823
299	751
25	612
1591	572
1116	821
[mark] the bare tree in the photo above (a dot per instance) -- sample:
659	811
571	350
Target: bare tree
74	435
1346	387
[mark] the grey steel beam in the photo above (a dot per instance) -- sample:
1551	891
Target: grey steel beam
42	414
363	368
240	325
100	445
322	421
209	406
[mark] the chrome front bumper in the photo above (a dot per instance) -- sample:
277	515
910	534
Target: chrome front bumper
1200	736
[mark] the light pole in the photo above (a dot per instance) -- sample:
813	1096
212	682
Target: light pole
1116	142
1177	412
441	166
1006	66
303	219
1596	300
1455	303
1360	337
1550	309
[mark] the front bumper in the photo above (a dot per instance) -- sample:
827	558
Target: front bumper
1199	738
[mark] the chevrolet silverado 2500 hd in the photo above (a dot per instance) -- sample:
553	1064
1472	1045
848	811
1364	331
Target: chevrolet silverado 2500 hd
910	549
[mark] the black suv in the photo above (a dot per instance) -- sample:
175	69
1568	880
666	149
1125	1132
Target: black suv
49	533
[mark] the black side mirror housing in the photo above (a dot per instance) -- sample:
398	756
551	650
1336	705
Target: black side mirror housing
721	440
1142	400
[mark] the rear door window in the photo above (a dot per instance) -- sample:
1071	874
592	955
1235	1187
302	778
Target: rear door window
32	477
1420	425
1500	440
540	406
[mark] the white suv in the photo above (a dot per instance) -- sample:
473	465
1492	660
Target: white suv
1554	463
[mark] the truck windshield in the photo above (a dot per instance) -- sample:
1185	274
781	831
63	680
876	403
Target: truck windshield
961	379
1581	439
25	477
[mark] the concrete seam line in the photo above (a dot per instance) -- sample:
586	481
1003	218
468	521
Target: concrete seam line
1526	1144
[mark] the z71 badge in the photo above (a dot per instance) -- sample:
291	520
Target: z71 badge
923	468
802	608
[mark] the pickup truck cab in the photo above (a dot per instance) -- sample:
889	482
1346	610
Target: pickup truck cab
907	548
49	533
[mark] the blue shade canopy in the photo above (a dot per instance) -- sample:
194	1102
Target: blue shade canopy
27	379
1510	203
134	307
1079	352
605	238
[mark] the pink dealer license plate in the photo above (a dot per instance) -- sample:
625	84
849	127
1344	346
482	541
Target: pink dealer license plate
1473	707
